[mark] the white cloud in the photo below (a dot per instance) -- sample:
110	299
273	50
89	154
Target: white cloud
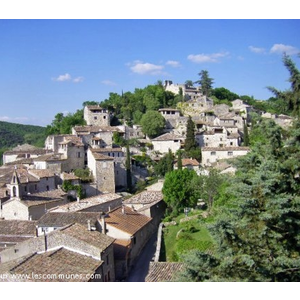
14	119
78	79
108	82
203	58
173	63
281	48
257	50
146	68
65	77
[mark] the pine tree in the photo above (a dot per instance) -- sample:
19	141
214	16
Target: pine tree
206	82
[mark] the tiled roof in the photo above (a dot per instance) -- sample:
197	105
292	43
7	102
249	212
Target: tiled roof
41	173
156	186
145	197
24	149
60	219
71	266
86	202
99	156
225	149
68	176
95	129
94	238
100	150
163	271
168	137
17	228
129	221
50	157
190	162
169	109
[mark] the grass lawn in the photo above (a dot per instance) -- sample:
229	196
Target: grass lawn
177	239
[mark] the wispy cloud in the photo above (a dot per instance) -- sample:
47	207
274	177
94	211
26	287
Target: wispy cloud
257	50
78	79
173	63
108	82
210	58
65	77
281	48
146	68
68	77
14	119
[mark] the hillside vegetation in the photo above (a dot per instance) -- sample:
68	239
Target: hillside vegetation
12	134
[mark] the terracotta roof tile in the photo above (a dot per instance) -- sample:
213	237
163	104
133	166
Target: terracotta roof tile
145	197
163	271
71	266
129	221
17	228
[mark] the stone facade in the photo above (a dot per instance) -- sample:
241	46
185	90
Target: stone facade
211	155
96	115
102	167
76	238
167	141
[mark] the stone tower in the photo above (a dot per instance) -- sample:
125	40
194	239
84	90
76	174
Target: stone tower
96	115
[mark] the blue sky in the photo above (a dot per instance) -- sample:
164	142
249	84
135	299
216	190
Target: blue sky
51	66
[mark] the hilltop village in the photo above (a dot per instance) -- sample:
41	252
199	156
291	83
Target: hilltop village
91	229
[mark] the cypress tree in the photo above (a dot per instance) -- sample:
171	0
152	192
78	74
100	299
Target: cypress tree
246	134
179	161
190	142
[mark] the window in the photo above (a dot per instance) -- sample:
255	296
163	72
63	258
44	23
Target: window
95	117
229	153
213	153
78	154
47	187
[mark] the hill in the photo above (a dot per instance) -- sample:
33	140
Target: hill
12	134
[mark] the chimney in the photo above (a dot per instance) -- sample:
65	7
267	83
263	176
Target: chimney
103	223
45	239
78	199
123	209
89	225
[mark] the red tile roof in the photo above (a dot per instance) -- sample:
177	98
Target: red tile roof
130	221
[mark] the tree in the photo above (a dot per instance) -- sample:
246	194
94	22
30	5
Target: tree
179	160
292	95
190	142
256	232
224	94
206	82
177	191
152	123
246	134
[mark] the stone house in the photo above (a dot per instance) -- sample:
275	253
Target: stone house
167	141
213	154
96	115
73	253
196	106
118	155
56	220
70	148
218	137
170	113
189	163
21	153
148	203
54	162
33	206
15	231
102	168
131	230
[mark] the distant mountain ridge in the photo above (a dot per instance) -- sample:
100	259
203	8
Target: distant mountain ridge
13	134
